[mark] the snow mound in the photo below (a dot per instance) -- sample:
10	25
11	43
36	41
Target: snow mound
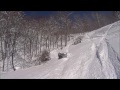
96	57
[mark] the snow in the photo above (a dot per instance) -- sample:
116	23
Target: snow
96	57
17	68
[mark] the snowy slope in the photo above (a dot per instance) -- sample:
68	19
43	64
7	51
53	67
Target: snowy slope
97	57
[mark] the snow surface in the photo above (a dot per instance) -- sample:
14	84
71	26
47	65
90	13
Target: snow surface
96	57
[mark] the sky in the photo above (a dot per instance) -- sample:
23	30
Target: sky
48	13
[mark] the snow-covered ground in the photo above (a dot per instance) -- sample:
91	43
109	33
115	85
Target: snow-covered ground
96	57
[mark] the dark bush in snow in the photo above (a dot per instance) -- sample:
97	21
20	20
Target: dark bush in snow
62	55
78	40
45	56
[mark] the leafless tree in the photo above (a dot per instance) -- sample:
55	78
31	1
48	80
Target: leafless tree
117	14
9	35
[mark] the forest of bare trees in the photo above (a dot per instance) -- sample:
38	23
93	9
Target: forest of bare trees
23	39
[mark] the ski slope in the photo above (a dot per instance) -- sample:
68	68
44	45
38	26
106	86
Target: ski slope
96	57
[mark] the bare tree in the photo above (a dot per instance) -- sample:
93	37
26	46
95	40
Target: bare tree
64	25
11	28
117	14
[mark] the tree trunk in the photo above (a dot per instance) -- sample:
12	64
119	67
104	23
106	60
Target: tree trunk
37	48
2	55
41	38
53	42
24	51
57	41
13	52
61	42
13	61
50	42
46	42
66	40
30	49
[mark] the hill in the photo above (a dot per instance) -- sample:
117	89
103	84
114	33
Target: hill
96	57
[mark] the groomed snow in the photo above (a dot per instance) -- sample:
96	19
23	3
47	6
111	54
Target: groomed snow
96	57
